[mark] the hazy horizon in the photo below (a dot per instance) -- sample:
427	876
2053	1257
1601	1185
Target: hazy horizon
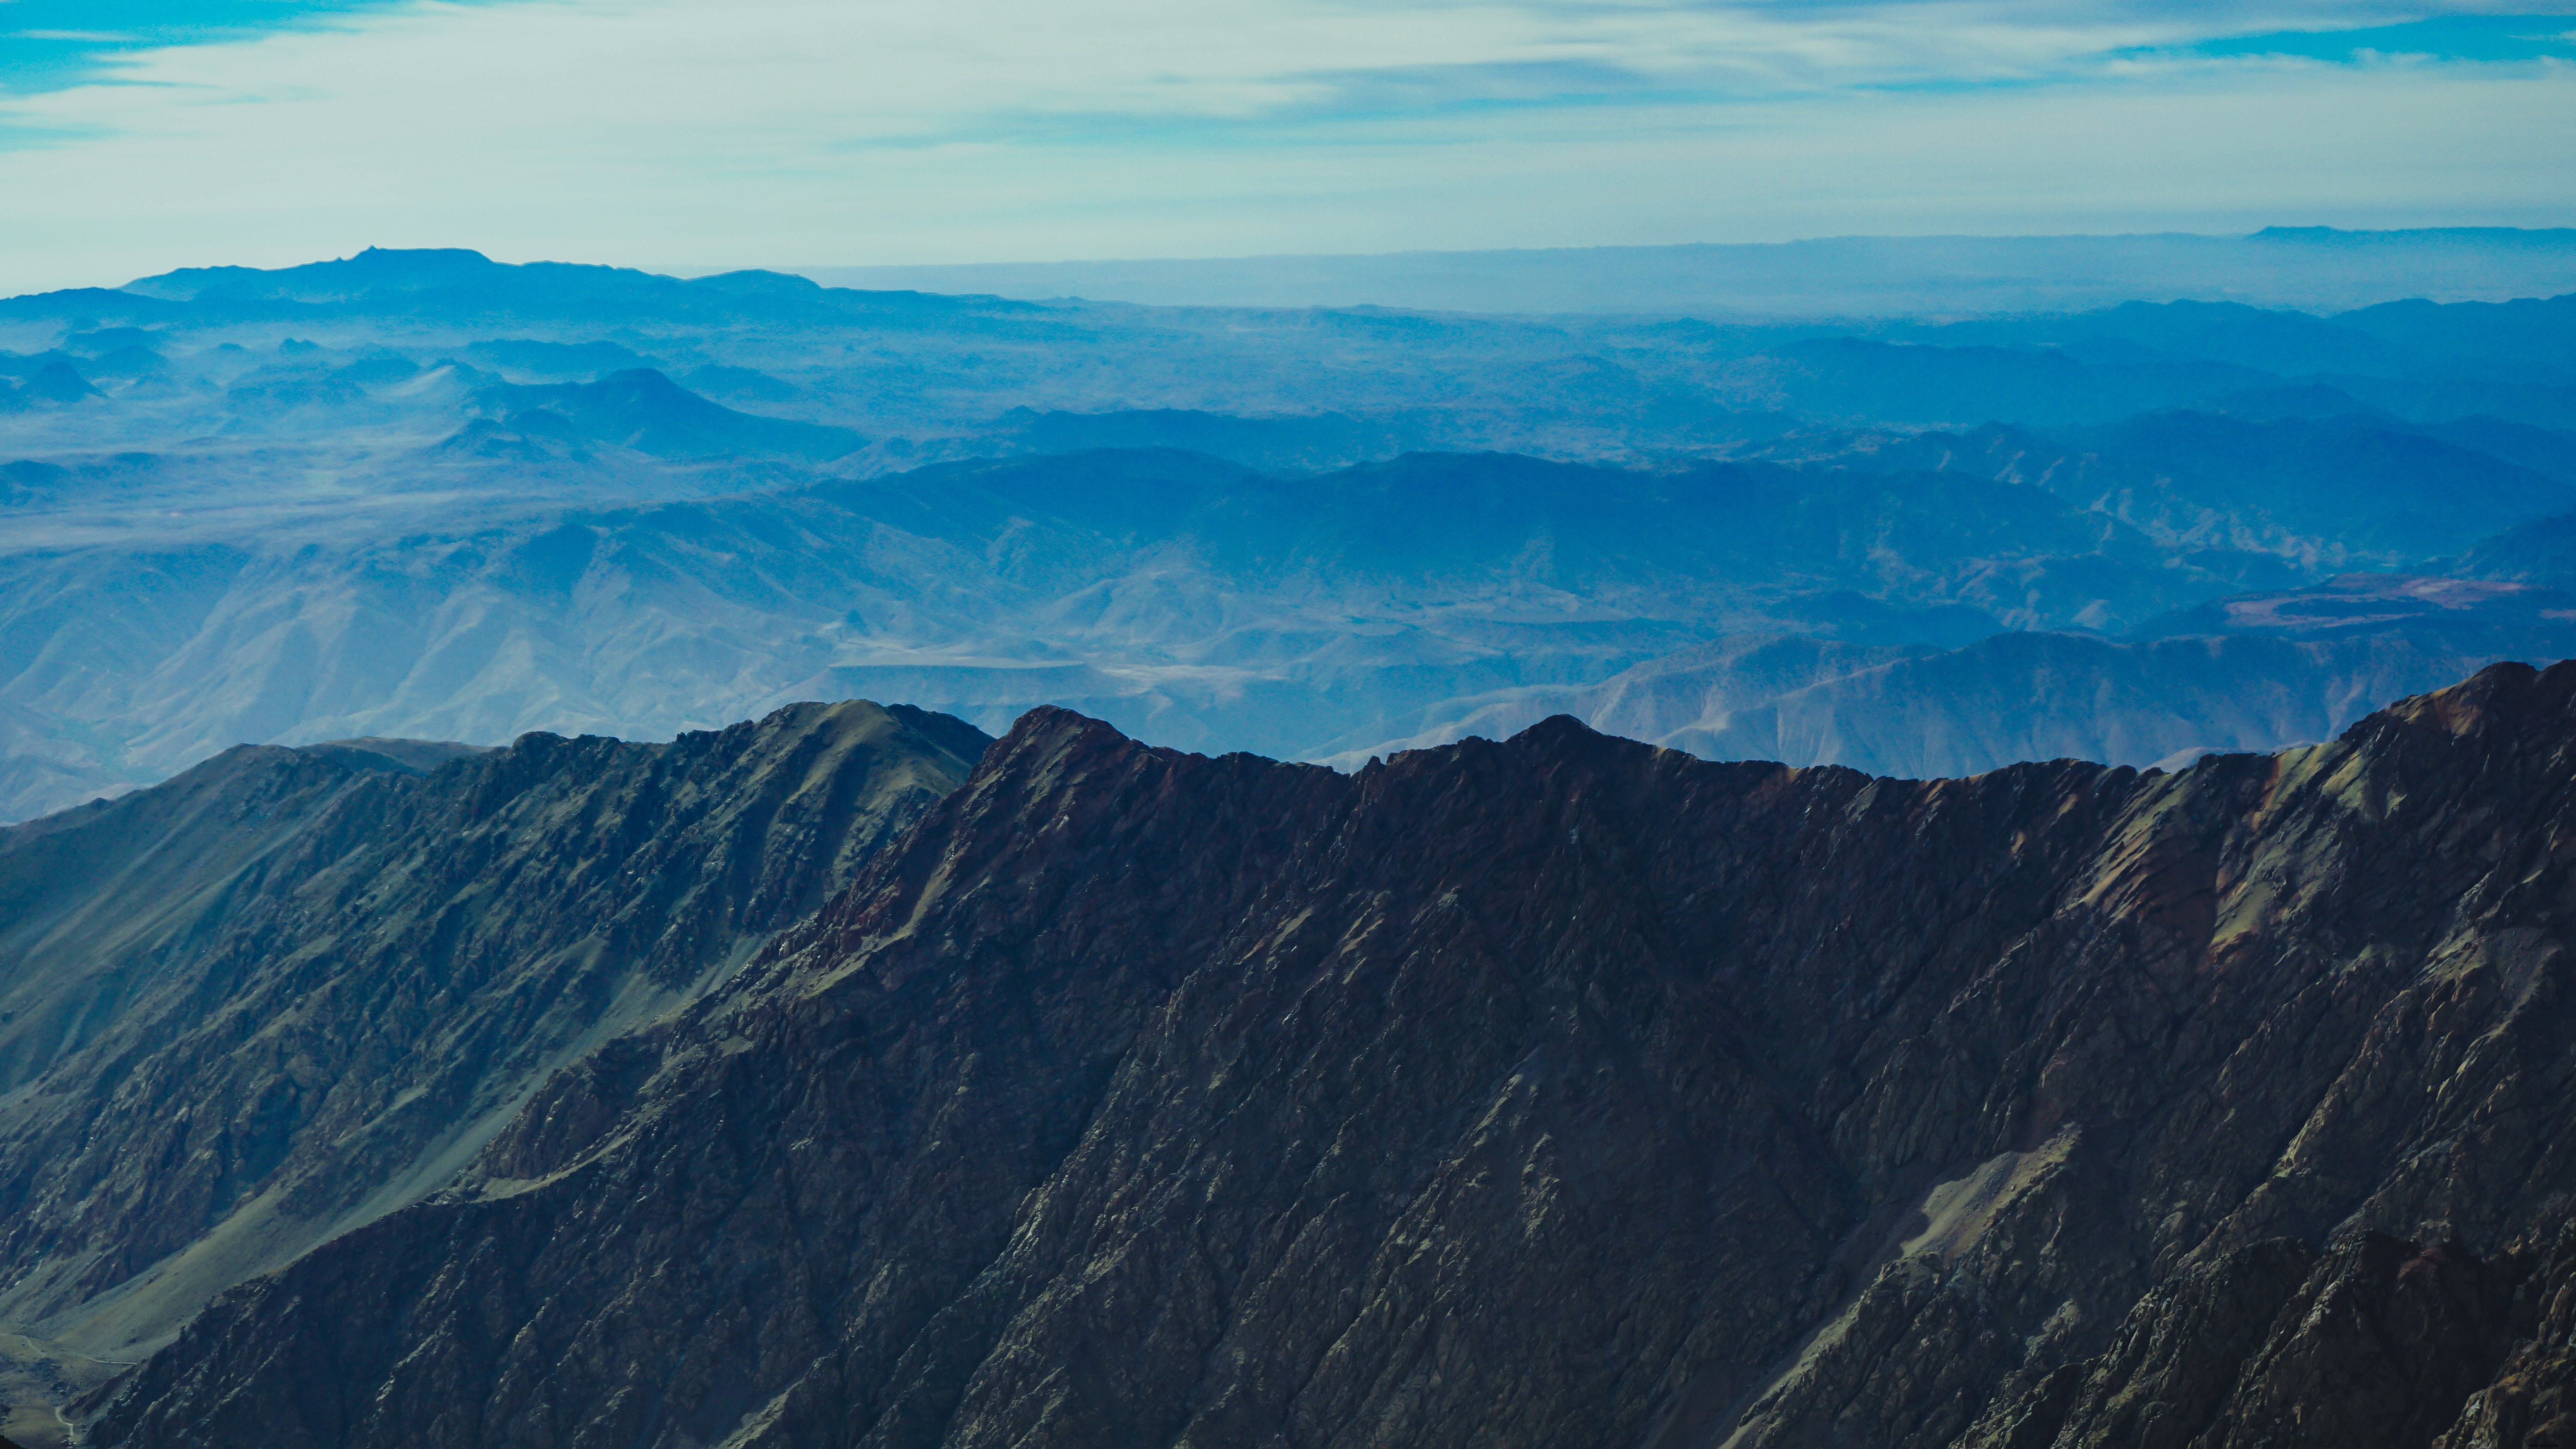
2317	269
1858	278
682	136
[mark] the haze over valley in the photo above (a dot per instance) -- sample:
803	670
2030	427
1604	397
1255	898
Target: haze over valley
421	494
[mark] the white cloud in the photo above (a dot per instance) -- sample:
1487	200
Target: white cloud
678	132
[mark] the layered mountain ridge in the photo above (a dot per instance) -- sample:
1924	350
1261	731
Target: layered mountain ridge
427	494
1194	602
1559	1090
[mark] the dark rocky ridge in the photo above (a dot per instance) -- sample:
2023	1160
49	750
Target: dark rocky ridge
1555	1091
294	989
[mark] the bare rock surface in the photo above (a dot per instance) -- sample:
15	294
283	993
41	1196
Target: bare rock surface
2531	1402
1557	1091
295	989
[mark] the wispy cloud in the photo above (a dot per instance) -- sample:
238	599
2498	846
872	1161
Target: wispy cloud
2484	38
808	131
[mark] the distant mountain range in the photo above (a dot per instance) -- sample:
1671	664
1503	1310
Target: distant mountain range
2318	268
426	494
1925	713
1335	616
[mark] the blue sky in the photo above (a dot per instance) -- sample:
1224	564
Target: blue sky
2485	38
687	134
54	43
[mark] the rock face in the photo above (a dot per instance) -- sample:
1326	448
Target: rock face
292	990
1560	1091
2532	1401
2378	1343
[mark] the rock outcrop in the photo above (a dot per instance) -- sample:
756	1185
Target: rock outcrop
294	989
2531	1401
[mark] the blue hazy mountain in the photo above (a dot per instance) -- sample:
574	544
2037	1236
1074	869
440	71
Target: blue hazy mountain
2315	268
431	495
2357	488
639	408
53	380
1327	616
2237	674
1857	379
2283	342
557	359
2548	452
426	284
1272	444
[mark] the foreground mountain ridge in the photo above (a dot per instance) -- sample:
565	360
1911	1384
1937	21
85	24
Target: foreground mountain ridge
294	989
1561	1090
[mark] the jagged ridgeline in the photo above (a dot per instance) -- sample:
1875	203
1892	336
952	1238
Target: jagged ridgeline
294	989
1562	1091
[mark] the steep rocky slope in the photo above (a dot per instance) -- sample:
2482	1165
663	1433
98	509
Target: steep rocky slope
1560	1091
292	990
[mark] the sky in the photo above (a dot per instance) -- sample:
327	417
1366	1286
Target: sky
692	135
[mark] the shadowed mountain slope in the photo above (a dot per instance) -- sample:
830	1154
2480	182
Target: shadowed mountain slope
1554	1091
2540	552
2322	490
641	409
293	989
2385	492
